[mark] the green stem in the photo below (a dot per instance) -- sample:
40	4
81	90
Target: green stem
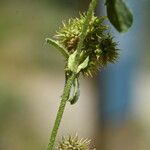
86	25
61	109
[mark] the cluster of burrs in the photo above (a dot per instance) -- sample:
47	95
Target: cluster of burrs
74	143
98	45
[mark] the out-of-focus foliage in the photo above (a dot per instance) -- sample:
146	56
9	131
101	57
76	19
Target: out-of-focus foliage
15	129
23	28
119	15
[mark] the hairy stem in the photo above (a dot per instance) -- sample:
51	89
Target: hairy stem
86	24
61	109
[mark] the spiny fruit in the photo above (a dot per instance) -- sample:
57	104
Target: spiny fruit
74	143
98	44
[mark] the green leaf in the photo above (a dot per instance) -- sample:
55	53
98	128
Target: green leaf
72	61
119	15
76	92
83	65
58	46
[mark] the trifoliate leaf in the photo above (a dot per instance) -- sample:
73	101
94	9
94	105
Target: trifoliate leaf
72	61
83	65
119	15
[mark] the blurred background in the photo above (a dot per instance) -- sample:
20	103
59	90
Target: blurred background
32	79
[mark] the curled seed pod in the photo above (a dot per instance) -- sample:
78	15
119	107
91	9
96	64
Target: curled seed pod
98	45
73	143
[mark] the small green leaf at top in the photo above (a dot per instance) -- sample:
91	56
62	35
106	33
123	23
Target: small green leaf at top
83	65
72	61
119	15
58	46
